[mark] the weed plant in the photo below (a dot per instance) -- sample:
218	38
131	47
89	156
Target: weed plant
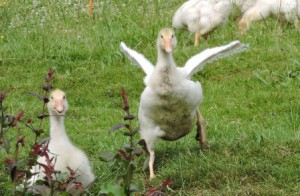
251	101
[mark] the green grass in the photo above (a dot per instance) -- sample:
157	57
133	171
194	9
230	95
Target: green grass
251	100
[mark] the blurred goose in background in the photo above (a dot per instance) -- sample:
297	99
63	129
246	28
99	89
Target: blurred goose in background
202	16
254	10
170	102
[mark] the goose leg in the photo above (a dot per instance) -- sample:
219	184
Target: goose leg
201	130
197	38
149	149
151	162
91	7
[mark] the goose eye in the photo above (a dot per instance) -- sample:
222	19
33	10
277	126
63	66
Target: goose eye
64	97
161	37
51	97
172	36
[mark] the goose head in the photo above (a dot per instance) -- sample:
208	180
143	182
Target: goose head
166	40
57	104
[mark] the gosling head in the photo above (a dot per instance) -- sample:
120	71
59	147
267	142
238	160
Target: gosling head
57	104
166	40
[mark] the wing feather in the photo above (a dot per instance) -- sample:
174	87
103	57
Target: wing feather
137	59
196	63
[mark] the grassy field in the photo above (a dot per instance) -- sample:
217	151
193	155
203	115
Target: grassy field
251	100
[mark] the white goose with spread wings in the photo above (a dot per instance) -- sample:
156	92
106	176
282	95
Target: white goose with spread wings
170	101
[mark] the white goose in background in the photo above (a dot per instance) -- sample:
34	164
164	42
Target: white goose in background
244	5
202	16
60	145
170	101
254	10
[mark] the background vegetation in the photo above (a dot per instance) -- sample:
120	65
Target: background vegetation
251	103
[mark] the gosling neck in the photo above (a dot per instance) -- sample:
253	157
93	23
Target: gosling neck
57	128
164	59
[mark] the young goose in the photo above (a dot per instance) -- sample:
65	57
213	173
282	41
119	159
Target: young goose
60	145
202	16
169	103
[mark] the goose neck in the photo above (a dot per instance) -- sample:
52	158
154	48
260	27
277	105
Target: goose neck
164	58
57	128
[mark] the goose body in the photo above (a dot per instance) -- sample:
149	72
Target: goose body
201	16
67	155
169	103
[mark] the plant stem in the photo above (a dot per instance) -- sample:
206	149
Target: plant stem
1	129
43	111
130	129
16	159
2	121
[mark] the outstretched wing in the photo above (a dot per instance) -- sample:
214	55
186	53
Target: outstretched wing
196	63
137	59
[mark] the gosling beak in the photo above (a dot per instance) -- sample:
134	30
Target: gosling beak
168	46
59	108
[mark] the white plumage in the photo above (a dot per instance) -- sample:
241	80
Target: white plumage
202	16
254	10
244	5
170	101
67	154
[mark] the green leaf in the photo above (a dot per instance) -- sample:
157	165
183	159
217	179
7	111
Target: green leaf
129	117
119	126
134	188
44	140
128	148
107	156
132	133
127	134
112	190
146	164
38	132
